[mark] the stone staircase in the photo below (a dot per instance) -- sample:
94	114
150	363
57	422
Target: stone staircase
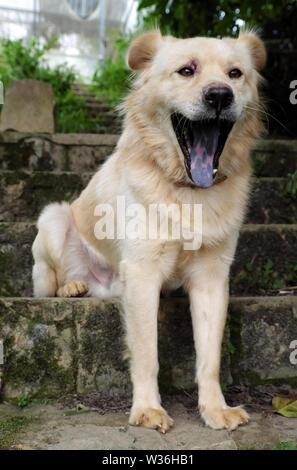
104	115
55	346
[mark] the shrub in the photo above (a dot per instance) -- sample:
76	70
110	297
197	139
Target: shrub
111	79
19	61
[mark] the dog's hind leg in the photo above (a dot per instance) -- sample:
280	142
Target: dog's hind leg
50	276
44	280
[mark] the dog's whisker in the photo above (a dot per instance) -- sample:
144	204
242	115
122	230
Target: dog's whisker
263	111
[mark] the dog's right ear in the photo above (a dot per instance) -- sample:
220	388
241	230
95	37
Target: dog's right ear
143	49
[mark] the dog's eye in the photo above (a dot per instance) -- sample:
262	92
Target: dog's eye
186	71
235	73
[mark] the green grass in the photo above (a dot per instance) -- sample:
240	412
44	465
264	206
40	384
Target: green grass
286	445
9	430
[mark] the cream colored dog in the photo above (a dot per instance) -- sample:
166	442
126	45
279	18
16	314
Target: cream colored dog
190	122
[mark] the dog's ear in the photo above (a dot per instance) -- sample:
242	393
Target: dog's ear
143	49
256	48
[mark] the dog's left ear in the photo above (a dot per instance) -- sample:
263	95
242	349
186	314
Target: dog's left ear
143	49
256	48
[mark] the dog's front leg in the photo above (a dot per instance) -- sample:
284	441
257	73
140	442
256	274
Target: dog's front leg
208	290
141	302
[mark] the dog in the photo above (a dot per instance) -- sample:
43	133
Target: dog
190	121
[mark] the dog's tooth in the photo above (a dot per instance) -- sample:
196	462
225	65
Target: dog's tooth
214	171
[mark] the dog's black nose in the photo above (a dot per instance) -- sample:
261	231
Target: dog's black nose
218	97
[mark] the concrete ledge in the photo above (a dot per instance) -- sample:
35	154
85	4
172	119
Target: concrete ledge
63	152
84	152
11	137
257	245
57	346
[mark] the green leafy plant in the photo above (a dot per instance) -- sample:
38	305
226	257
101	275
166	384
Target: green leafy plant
230	348
286	445
111	79
24	401
71	115
291	186
210	17
20	60
262	278
259	167
291	273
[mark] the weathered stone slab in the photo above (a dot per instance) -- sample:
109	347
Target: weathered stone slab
39	346
63	152
28	107
84	152
258	245
270	202
262	335
16	258
58	346
265	259
24	194
55	346
276	157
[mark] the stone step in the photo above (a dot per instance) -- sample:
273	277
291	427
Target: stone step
108	119
23	194
93	104
84	152
100	126
46	152
87	93
265	259
273	157
53	347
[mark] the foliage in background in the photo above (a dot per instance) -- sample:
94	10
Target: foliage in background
185	18
111	79
20	61
291	187
262	278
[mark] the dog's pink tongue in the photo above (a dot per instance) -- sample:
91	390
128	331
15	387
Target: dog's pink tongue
202	156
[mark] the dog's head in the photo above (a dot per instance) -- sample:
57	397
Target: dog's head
201	87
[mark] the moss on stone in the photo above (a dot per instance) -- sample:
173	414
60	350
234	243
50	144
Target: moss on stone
33	349
10	428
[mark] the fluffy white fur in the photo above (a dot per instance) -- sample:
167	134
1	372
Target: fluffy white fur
148	167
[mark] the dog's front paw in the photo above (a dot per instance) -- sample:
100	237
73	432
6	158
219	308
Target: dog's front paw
73	289
224	418
151	418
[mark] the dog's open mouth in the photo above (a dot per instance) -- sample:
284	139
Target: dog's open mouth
202	143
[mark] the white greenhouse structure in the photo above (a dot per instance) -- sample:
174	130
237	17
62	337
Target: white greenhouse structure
82	27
